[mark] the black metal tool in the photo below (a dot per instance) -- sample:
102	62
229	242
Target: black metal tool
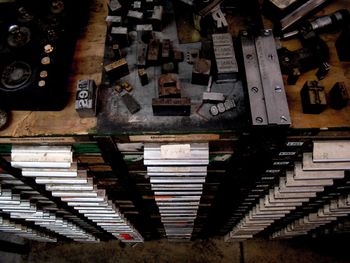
315	52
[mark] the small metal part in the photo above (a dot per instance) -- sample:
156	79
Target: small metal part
117	69
130	102
85	100
114	5
117	52
192	55
178	56
3	118
16	75
57	6
120	35
41	83
144	32
48	48
18	36
213	97
141	55
313	98
118	88
157	17
45	61
287	13
126	86
171	106
214	110
113	21
166	50
169	86
143	76
43	74
153	52
323	70
201	72
339	96
229	104
219	18
221	107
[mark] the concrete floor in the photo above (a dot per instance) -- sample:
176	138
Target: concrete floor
211	251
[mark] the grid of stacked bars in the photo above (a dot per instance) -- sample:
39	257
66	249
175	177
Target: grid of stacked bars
53	167
177	173
309	179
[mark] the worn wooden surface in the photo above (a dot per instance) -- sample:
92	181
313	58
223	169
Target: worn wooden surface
329	118
87	64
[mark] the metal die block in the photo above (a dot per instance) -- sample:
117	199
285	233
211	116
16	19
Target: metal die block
171	106
117	69
310	165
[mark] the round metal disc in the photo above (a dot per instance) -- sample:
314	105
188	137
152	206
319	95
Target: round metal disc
214	110
15	75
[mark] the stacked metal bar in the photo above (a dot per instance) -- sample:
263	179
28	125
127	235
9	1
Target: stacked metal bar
327	156
296	188
73	186
177	173
20	208
24	231
8	181
337	208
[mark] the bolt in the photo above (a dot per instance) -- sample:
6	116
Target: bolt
266	32
270	56
249	56
254	89
278	88
259	119
245	33
283	119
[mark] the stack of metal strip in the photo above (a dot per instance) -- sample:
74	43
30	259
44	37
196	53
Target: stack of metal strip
8	226
20	208
53	166
177	173
327	156
296	188
8	181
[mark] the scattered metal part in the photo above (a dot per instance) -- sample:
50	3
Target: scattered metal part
3	118
86	98
313	98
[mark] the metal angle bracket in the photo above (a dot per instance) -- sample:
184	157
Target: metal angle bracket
266	92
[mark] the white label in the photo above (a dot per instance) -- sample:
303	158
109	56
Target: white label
175	151
295	143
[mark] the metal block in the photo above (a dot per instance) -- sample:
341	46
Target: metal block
331	151
267	97
310	165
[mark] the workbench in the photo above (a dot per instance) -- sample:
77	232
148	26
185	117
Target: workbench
227	136
88	65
